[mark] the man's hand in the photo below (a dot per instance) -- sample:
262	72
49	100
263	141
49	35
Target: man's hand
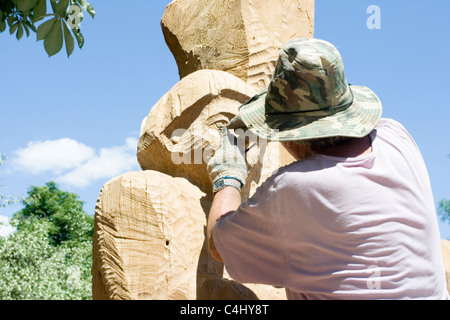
227	166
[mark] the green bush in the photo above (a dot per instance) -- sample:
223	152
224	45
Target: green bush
49	257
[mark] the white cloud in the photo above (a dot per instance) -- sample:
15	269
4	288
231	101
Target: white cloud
107	164
74	164
5	228
51	156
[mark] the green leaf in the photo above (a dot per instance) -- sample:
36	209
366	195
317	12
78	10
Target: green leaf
14	27
2	26
11	20
83	4
60	7
19	33
87	7
25	15
40	10
78	36
68	39
25	5
30	25
26	29
91	10
44	28
53	3
53	42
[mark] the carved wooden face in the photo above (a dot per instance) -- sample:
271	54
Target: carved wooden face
182	129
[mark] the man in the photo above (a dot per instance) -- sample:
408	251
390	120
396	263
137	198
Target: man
353	218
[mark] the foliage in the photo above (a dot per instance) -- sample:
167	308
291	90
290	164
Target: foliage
21	16
444	210
63	210
50	254
5	200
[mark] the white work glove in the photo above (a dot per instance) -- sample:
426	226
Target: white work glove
227	167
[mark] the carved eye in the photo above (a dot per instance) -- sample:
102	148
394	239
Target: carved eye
219	120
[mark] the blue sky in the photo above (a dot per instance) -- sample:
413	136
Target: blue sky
76	121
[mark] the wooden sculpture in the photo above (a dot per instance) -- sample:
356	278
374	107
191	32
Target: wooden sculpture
242	37
149	226
149	238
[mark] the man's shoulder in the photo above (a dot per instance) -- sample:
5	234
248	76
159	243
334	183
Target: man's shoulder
277	179
285	175
391	124
393	129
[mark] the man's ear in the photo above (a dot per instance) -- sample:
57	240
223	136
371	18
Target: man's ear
287	144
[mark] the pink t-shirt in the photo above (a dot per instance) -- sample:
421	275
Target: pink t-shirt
342	228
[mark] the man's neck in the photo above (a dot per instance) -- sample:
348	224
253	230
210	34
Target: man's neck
350	149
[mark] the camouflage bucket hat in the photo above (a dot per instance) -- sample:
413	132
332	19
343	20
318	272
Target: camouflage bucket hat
309	97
